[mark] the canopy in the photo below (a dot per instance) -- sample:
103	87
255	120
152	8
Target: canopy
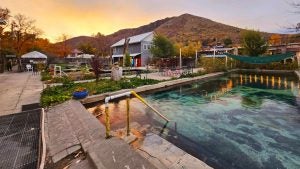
34	55
261	59
120	56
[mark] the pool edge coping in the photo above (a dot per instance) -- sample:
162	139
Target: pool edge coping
147	88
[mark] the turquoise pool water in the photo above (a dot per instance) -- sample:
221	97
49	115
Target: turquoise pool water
237	121
240	121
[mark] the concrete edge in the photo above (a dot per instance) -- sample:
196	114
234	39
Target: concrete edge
96	162
266	71
146	88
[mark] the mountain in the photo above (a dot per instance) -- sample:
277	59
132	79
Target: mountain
183	28
194	28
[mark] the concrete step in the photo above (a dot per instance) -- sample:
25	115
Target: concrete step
71	125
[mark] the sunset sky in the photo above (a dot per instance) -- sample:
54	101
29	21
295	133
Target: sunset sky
85	17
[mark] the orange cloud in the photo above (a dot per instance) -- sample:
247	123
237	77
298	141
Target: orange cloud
56	17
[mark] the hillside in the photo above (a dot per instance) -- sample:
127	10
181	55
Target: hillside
183	28
193	28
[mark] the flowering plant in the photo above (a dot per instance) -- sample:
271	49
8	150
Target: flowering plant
80	89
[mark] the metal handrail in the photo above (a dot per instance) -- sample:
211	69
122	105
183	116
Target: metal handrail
107	120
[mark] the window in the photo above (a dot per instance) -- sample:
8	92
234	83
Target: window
145	47
149	46
115	50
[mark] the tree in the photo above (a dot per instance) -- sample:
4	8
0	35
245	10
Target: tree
275	39
4	17
63	47
227	42
162	47
87	48
23	33
254	44
101	43
189	49
96	65
127	60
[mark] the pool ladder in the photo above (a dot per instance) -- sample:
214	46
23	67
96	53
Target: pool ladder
126	94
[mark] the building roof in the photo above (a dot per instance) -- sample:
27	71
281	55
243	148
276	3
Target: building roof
76	51
34	55
82	56
133	39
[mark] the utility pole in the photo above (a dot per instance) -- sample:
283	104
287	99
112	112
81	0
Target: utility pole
196	60
180	59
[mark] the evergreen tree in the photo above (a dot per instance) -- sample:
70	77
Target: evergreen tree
162	47
254	44
127	60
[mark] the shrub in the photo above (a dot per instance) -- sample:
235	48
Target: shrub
45	76
213	65
67	82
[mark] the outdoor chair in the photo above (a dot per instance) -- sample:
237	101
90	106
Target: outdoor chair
29	68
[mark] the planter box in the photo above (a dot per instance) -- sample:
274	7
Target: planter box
80	95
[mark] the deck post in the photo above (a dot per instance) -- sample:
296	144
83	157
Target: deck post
128	114
226	61
107	122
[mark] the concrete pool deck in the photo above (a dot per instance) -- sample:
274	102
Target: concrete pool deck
18	89
71	127
166	155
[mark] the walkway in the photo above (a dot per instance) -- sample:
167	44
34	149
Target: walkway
17	89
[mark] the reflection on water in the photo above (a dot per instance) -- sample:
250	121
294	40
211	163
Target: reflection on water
276	82
236	121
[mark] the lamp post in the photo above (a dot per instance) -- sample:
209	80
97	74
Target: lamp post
2	22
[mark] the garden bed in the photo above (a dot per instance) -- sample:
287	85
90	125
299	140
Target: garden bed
59	94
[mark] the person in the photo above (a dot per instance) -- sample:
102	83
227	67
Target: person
34	69
9	65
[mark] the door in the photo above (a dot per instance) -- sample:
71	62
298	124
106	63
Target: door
139	62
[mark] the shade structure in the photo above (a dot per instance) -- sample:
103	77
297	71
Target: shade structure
34	55
262	59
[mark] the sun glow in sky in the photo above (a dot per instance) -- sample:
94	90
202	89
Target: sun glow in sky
85	17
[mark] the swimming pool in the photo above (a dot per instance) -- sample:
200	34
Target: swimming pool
239	120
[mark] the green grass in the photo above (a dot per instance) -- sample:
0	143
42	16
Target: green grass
58	94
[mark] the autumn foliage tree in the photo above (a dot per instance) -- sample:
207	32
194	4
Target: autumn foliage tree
23	33
275	39
63	49
189	49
